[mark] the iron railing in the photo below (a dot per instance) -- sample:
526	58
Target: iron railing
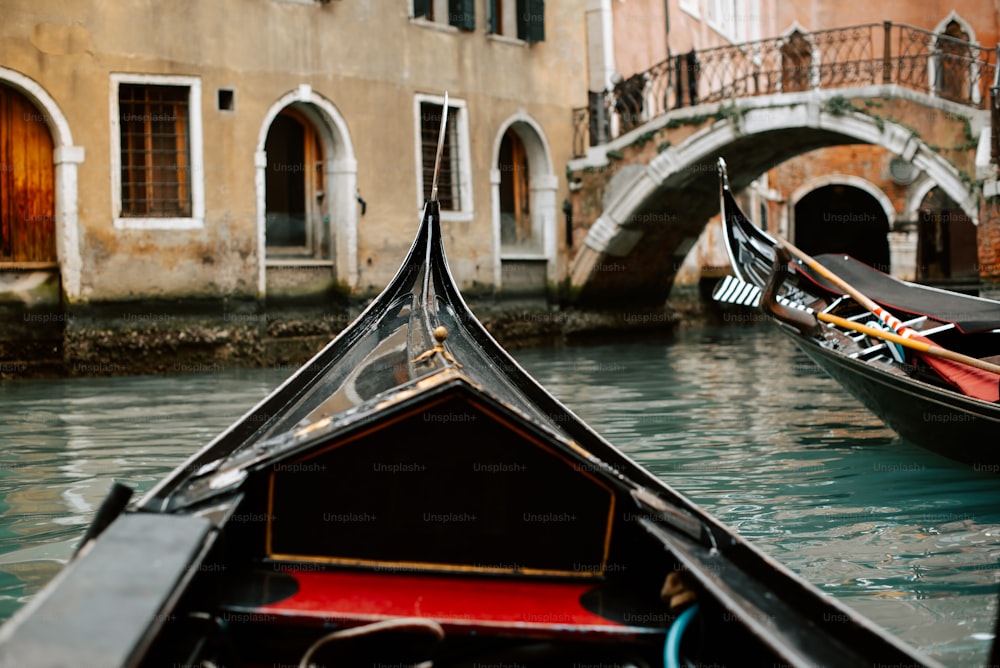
875	53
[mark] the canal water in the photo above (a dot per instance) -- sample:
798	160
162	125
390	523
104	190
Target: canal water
735	418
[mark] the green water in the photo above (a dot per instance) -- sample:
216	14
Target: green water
736	419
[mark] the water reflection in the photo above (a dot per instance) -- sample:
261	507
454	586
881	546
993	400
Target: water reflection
66	441
736	419
742	423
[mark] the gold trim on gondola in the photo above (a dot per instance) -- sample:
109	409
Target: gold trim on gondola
440	335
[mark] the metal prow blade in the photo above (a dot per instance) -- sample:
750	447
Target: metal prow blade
440	148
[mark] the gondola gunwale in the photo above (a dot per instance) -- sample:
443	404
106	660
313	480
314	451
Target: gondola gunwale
773	613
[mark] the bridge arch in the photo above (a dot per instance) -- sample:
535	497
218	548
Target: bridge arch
749	139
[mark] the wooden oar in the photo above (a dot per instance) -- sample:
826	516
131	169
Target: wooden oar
885	316
920	346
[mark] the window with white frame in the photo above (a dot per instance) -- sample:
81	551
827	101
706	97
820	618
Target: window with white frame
454	176
156	151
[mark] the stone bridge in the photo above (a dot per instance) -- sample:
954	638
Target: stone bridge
644	189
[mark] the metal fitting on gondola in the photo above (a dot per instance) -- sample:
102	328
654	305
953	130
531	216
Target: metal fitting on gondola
806	323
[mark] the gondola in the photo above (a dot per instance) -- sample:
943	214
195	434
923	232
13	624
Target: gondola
922	404
412	497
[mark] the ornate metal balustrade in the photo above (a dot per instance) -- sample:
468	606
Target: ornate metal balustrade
876	53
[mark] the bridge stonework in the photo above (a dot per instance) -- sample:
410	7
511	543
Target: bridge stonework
988	238
640	202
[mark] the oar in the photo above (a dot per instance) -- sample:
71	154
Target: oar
884	316
920	346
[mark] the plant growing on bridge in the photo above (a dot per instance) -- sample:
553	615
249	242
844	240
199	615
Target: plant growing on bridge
971	141
838	105
732	112
698	119
644	139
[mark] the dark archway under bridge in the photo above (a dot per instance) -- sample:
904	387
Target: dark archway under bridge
842	218
648	206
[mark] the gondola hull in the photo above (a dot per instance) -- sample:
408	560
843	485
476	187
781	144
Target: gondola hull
944	422
922	407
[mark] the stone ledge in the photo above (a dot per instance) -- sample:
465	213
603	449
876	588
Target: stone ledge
157	338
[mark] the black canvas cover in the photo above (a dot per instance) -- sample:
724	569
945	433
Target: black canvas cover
969	314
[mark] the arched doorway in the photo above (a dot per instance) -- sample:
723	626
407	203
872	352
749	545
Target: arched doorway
294	189
27	182
524	210
517	231
840	218
947	246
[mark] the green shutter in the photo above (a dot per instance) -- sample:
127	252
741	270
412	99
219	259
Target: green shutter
491	18
462	14
421	8
531	20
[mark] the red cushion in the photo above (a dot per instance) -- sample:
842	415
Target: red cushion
459	604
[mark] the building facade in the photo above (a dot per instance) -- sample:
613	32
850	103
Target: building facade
268	149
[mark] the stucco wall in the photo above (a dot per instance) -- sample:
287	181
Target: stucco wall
366	59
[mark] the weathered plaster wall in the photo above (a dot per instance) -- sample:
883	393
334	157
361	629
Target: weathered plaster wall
368	59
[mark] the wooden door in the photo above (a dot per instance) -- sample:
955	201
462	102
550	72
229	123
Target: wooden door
294	188
27	182
517	230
